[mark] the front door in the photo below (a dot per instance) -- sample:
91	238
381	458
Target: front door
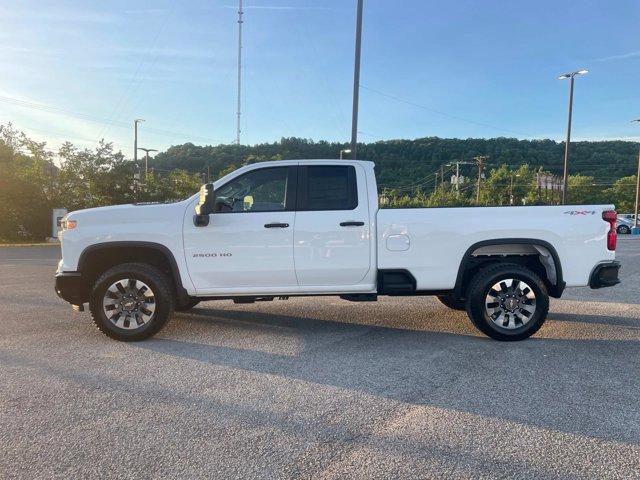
332	234
248	243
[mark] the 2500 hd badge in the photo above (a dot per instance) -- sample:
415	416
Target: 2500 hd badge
211	255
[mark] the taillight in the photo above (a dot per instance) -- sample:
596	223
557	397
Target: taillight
611	216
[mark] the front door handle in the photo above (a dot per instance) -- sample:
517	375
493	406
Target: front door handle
276	225
351	224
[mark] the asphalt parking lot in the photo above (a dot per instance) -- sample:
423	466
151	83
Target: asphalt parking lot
318	388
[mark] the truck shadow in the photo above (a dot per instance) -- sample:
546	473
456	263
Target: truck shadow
526	382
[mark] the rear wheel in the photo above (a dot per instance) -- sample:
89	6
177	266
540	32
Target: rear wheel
131	302
452	302
624	229
507	302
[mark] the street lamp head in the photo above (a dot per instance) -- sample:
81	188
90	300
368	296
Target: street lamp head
573	74
138	120
348	150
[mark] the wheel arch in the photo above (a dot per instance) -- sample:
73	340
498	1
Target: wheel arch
486	251
95	259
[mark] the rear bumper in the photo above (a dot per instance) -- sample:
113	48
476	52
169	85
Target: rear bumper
71	286
605	275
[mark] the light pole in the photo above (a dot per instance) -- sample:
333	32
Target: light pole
238	110
146	159
635	211
136	168
135	138
356	81
346	150
571	76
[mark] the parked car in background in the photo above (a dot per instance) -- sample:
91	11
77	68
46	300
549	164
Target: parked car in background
624	224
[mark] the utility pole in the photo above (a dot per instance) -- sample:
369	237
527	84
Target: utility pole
146	160
571	76
511	187
442	175
635	211
356	82
480	159
458	163
238	111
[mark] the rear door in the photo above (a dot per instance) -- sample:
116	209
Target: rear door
332	232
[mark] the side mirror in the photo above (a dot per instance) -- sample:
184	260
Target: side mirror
205	205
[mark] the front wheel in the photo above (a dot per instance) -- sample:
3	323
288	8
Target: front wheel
624	230
131	302
507	302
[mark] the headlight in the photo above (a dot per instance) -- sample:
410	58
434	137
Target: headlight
68	224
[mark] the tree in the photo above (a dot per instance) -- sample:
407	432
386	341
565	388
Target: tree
622	194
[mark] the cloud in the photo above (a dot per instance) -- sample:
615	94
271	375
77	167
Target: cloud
623	56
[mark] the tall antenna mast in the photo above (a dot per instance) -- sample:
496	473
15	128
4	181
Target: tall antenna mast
238	113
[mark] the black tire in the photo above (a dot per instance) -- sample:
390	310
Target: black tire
624	230
163	303
477	309
452	302
188	305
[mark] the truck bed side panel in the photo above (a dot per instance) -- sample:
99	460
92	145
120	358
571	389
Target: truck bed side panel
431	242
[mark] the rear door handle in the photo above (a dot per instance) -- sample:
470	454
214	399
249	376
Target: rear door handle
351	224
276	225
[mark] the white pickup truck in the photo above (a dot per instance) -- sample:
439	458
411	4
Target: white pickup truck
313	227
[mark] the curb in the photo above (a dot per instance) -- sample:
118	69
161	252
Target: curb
42	244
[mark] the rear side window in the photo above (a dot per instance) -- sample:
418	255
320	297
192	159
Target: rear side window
331	187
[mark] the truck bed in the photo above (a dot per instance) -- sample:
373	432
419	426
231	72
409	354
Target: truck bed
431	242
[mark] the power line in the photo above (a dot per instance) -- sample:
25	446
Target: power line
440	112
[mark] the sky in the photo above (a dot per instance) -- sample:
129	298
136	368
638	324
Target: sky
81	71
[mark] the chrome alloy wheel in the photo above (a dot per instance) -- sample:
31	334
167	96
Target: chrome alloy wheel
129	304
510	303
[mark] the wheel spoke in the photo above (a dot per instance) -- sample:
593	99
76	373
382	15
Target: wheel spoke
503	287
524	312
112	295
120	287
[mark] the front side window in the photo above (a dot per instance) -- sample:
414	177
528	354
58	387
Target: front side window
331	187
263	190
